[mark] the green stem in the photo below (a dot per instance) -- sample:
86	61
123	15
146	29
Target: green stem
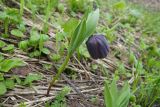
48	12
60	70
21	7
6	23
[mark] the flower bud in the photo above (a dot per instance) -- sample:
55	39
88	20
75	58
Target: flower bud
97	46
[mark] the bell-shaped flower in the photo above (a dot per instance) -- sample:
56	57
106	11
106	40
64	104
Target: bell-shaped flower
97	46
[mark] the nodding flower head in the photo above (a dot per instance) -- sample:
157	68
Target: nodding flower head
97	46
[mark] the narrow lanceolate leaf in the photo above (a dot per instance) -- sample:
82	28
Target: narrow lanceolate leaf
78	36
81	35
124	96
114	90
85	29
91	22
107	96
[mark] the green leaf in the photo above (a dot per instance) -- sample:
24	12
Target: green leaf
108	96
114	97
119	5
44	37
8	48
2	44
45	51
3	89
22	26
1	76
9	83
61	95
78	36
114	91
34	38
60	36
124	96
13	14
91	22
61	7
10	13
17	33
1	58
94	66
60	98
83	51
35	53
8	64
132	58
70	26
23	44
32	77
55	57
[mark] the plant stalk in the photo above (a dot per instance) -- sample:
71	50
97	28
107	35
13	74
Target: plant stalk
48	12
21	7
60	70
6	24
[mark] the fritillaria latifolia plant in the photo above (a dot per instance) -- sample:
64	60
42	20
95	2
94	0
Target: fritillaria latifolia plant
84	30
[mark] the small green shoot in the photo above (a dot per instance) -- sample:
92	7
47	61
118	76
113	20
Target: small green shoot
8	64
115	97
32	77
60	100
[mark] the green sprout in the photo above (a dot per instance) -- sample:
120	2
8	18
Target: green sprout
115	97
9	16
51	4
84	29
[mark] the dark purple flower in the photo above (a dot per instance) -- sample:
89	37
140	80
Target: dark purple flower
97	46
